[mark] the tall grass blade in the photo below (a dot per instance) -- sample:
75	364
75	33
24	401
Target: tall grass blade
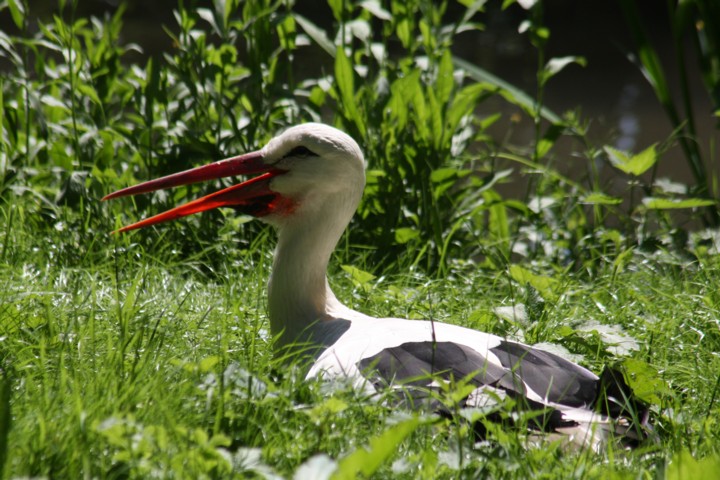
707	47
5	417
17	12
651	67
367	461
518	96
316	33
344	76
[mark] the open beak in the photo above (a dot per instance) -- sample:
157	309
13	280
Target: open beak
253	196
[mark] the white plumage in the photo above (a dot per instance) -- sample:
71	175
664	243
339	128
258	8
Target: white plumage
311	183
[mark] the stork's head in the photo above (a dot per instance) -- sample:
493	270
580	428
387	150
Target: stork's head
304	169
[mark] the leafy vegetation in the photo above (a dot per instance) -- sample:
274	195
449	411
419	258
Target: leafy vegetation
148	355
696	19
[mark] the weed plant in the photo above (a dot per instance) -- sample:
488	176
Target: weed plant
148	355
697	21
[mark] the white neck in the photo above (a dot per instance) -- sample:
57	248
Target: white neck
299	294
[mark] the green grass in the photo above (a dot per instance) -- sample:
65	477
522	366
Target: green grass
137	368
148	355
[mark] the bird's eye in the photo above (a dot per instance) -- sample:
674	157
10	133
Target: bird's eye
300	151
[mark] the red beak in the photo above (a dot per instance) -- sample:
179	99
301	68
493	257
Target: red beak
253	196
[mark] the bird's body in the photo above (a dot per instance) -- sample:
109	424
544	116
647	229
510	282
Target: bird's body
313	179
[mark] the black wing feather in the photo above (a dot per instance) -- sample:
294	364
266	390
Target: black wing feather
415	363
414	366
549	375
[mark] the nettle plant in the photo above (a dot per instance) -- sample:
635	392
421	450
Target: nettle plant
396	88
433	166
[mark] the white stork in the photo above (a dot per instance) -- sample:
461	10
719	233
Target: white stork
312	180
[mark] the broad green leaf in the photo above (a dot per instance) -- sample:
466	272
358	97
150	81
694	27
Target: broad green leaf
645	381
611	235
622	260
407	91
436	121
464	102
365	461
316	33
512	93
360	276
152	87
219	440
421	110
90	92
331	406
598	198
286	31
461	391
445	79
359	29
498	222
209	16
227	8
489	121
440	189
337	7
317	96
442	174
405	234
548	140
207	363
632	164
50	101
17	12
672	204
426	33
344	76
375	8
684	466
541	283
555	65
403	32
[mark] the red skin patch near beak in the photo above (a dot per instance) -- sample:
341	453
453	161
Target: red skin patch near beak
279	206
274	204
